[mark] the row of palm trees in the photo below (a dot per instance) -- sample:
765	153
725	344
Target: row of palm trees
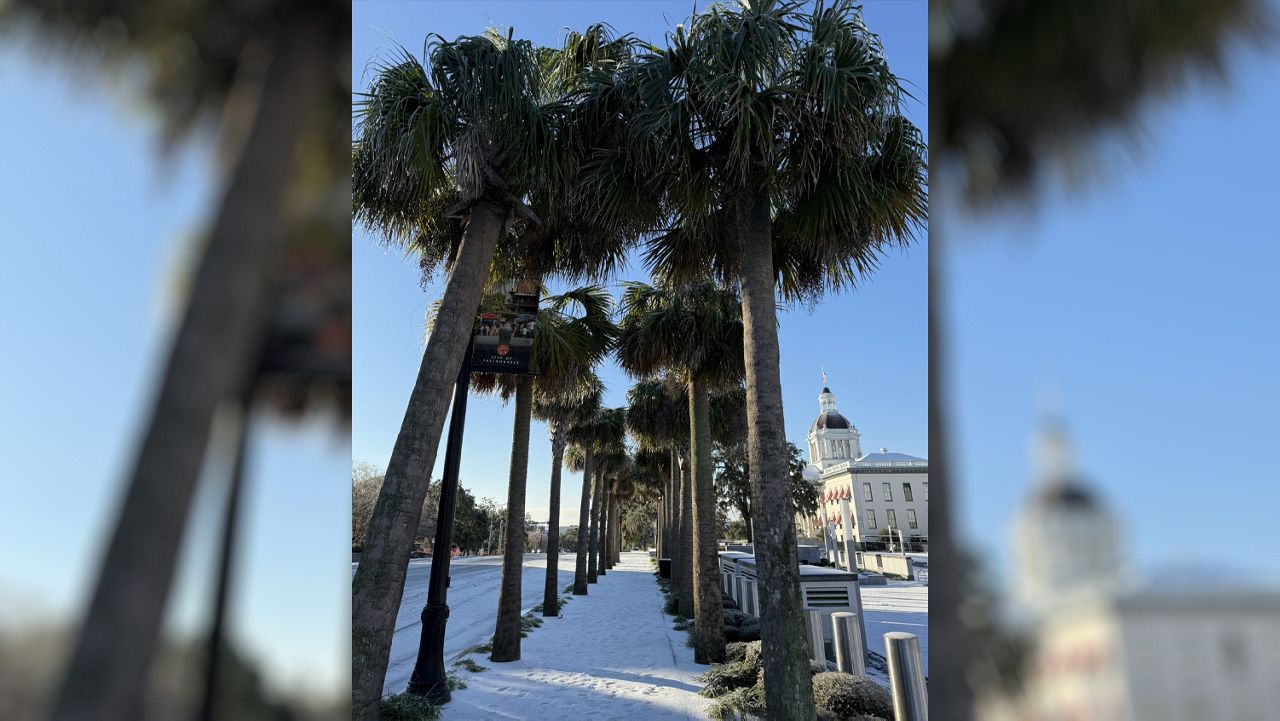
760	155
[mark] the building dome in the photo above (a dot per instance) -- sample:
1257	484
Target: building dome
1066	494
830	419
833	438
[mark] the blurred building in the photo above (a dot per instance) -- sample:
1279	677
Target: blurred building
877	491
1103	648
1067	544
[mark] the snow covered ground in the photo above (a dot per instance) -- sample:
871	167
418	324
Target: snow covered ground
473	606
611	656
898	606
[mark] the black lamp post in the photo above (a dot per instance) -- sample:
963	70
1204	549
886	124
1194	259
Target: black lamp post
429	678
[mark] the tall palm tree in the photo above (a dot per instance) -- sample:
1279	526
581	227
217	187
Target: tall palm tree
595	436
280	62
561	411
574	332
443	159
658	417
696	331
783	126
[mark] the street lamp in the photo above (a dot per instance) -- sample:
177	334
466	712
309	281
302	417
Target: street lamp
429	678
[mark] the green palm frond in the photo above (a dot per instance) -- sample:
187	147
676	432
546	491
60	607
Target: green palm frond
695	330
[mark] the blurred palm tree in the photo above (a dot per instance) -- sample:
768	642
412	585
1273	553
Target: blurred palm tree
1020	90
267	315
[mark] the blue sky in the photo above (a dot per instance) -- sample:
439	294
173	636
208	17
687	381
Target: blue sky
1143	309
872	342
98	230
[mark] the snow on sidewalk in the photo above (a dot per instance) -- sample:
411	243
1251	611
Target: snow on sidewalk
613	655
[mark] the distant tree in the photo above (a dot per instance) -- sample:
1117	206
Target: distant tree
733	483
637	522
366	481
569	539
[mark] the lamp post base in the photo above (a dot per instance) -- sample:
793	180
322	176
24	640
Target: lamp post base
429	678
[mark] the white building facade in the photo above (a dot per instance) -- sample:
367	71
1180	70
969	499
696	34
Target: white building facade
1103	649
879	491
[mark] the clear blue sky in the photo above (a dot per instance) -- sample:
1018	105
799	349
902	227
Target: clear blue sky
1144	308
872	341
97	229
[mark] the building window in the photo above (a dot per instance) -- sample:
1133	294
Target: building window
926	491
911	518
893	518
871	518
906	492
888	491
866	492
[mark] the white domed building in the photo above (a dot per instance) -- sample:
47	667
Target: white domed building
1066	543
881	490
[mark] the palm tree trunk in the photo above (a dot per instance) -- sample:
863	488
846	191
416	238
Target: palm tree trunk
584	514
673	508
506	635
951	687
616	525
551	596
602	557
788	693
379	581
610	502
685	590
708	614
594	529
214	352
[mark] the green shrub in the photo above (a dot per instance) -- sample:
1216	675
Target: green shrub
839	696
741	703
408	707
743	672
468	664
734	651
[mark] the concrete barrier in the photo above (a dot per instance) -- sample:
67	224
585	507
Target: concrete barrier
893	564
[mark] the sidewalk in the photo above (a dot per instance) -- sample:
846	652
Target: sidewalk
613	655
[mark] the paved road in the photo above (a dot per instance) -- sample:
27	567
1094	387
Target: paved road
473	605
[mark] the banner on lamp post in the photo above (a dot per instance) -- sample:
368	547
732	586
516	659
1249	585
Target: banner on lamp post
505	327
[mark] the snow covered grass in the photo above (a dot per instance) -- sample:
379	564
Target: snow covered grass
408	707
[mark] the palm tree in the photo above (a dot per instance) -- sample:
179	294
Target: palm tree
593	436
695	331
443	160
560	412
658	417
566	347
224	354
785	129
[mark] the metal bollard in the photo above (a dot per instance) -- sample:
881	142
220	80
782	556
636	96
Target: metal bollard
906	677
740	583
847	639
813	635
753	597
